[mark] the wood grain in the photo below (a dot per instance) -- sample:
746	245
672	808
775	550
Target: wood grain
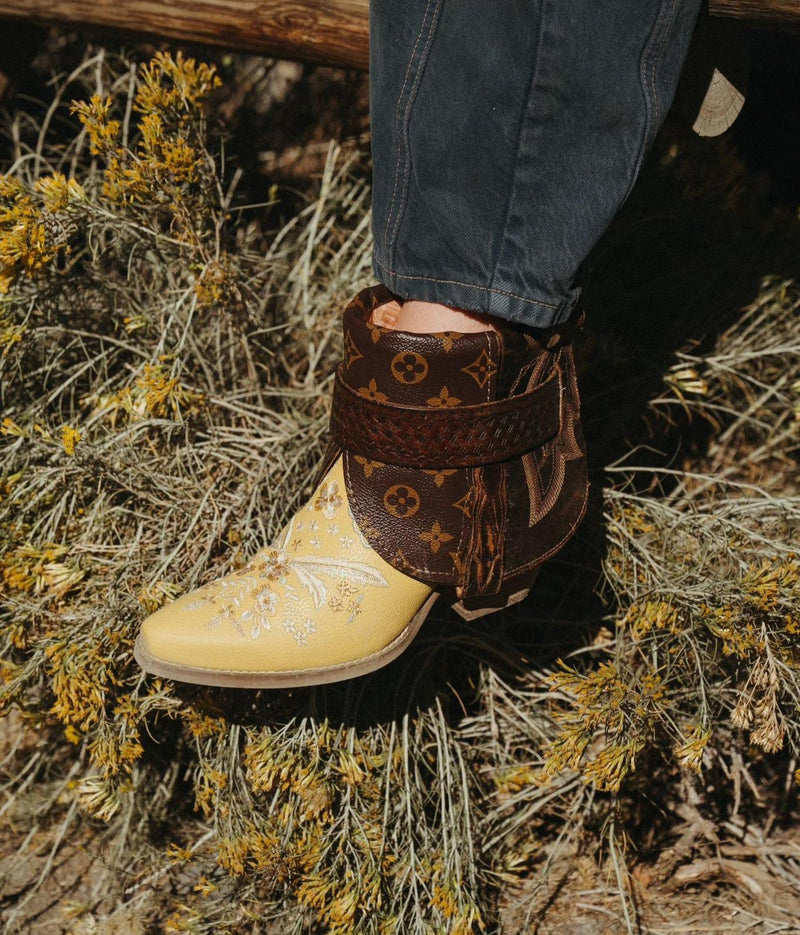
782	14
330	32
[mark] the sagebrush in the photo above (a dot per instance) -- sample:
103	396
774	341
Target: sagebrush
166	361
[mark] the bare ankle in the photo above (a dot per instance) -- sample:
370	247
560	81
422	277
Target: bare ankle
429	318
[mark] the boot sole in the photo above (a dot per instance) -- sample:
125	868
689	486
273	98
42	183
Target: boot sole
295	678
300	678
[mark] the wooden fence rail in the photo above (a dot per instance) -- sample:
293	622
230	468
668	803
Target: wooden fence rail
331	32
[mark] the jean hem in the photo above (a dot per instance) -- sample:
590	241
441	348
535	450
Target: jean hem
530	311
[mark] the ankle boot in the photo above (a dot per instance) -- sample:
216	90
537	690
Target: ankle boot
456	467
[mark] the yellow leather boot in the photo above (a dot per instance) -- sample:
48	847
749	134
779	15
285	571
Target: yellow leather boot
456	467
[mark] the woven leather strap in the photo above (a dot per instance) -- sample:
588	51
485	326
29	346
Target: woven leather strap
427	437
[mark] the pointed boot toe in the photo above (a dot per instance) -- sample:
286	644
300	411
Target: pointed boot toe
318	606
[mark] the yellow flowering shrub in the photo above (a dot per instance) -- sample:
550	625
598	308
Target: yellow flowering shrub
164	368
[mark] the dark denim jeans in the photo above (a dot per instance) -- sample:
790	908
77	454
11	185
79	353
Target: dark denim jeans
505	136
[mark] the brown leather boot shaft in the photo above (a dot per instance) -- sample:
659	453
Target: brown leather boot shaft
463	454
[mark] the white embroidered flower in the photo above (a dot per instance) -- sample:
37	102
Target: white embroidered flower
300	631
249	603
328	500
266	601
272	564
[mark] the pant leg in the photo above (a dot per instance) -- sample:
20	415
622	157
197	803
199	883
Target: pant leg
506	134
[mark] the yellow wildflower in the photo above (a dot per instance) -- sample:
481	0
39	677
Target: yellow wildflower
58	192
96	117
10	427
690	753
175	87
161	394
70	438
38	569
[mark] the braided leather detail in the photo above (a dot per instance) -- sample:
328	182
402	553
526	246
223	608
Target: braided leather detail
431	438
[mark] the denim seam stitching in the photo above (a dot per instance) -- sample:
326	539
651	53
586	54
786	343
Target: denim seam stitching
513	183
654	70
412	94
471	285
427	29
647	70
397	120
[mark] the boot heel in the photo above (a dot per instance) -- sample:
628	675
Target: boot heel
473	608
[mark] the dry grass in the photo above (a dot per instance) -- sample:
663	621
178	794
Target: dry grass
166	360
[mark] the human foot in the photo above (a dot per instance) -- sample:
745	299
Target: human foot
457	466
429	318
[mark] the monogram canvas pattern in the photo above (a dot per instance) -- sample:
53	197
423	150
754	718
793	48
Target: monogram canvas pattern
483	527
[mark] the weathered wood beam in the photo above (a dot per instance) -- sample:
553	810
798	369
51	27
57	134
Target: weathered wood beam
330	32
780	14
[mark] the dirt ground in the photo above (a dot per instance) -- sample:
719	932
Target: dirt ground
60	875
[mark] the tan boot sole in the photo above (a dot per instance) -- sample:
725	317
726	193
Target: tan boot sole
230	678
